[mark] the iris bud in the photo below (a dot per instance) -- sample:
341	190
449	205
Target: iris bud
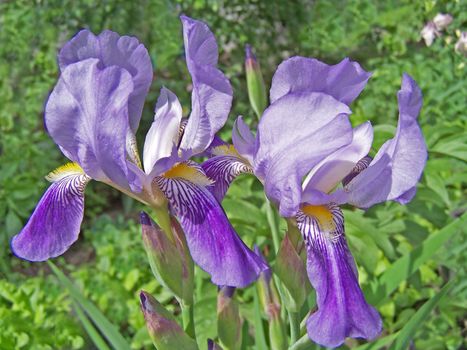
165	332
290	268
255	82
229	323
170	259
270	302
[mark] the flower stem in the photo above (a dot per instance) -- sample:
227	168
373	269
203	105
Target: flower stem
294	321
188	319
303	343
163	220
271	216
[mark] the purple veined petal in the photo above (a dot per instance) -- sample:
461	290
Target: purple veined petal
399	163
111	49
223	169
213	243
243	140
343	81
295	133
342	309
87	116
216	142
163	134
211	98
55	223
333	169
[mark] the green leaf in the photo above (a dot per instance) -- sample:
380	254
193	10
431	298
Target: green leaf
377	344
408	331
89	327
109	330
405	266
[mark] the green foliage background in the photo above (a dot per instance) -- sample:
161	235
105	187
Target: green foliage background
109	264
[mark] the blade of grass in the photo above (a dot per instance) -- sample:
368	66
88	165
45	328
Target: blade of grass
405	266
108	329
408	331
89	327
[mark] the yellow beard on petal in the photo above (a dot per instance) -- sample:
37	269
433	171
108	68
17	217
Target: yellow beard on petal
184	171
63	171
322	214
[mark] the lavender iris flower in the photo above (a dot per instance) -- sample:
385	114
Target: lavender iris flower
93	113
306	134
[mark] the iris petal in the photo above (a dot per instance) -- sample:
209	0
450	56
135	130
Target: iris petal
243	139
213	243
342	309
331	170
295	133
212	93
343	81
223	170
87	116
164	132
394	172
112	49
55	223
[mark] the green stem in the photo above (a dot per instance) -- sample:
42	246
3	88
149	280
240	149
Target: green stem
303	343
188	319
294	321
271	216
163	220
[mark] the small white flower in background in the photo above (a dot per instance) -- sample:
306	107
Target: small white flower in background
461	45
442	21
429	33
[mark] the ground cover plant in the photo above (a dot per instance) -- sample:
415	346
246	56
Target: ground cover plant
410	258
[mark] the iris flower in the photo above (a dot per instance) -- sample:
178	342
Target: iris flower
305	147
93	114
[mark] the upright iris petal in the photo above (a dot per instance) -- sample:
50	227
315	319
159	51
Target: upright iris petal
342	309
284	155
394	172
343	81
55	223
112	49
211	98
87	116
333	169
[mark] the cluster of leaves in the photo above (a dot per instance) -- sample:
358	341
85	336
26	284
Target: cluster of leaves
109	265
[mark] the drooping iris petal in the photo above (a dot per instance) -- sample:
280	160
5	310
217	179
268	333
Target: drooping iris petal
164	132
243	139
331	170
212	93
343	81
342	309
394	172
295	133
223	170
55	223
112	49
213	243
87	116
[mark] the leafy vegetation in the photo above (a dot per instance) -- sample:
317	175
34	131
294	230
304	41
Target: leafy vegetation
424	243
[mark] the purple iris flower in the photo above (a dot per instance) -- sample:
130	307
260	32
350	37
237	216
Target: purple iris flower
311	160
93	113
